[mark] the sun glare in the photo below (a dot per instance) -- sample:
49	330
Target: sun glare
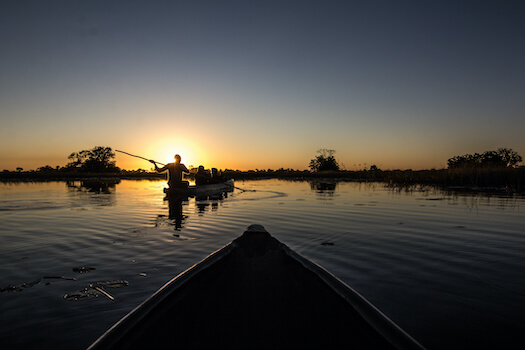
164	151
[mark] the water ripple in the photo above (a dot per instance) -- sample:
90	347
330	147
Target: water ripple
424	258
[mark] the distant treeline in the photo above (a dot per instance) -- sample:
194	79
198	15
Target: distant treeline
492	169
508	178
502	158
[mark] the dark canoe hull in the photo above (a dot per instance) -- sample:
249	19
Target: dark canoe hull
255	293
202	190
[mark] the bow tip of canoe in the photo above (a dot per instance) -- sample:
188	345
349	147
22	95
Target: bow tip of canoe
255	228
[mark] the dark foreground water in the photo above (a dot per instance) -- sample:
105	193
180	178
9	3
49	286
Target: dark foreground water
448	268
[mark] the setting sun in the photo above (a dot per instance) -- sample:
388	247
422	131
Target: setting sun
165	150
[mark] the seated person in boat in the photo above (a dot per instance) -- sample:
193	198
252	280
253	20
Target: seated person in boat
202	177
175	171
216	176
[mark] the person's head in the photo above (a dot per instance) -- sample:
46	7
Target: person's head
177	158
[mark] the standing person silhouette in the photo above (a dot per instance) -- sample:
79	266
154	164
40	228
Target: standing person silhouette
175	171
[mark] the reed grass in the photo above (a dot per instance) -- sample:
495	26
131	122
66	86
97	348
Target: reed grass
507	179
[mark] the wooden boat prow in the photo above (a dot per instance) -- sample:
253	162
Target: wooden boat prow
256	293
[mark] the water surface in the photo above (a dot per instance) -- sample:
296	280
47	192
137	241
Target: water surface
448	268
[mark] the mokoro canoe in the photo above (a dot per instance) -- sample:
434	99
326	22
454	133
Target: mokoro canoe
255	293
201	190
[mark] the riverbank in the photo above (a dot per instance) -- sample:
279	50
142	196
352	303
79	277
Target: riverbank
14	176
503	179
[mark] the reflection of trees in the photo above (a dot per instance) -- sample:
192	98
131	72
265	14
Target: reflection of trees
476	199
93	186
98	193
471	198
323	188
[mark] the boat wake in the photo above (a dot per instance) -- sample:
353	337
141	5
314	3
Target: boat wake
257	195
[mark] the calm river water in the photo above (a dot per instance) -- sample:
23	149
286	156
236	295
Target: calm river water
448	268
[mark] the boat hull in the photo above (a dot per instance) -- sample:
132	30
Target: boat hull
256	293
200	190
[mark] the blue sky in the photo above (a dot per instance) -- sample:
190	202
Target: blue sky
261	84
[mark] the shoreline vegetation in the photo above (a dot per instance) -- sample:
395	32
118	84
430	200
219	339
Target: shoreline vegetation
492	170
505	179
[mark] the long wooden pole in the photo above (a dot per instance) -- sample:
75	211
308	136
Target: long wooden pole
129	154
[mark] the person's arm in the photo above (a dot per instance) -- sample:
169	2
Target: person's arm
157	169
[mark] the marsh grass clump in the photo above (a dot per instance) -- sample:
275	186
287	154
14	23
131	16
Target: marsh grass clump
510	178
507	179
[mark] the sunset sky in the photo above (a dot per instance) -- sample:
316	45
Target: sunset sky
261	84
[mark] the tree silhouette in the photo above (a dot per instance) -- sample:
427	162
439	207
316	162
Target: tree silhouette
324	161
97	159
502	158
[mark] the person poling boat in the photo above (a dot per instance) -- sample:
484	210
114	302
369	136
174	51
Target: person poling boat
175	175
175	171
